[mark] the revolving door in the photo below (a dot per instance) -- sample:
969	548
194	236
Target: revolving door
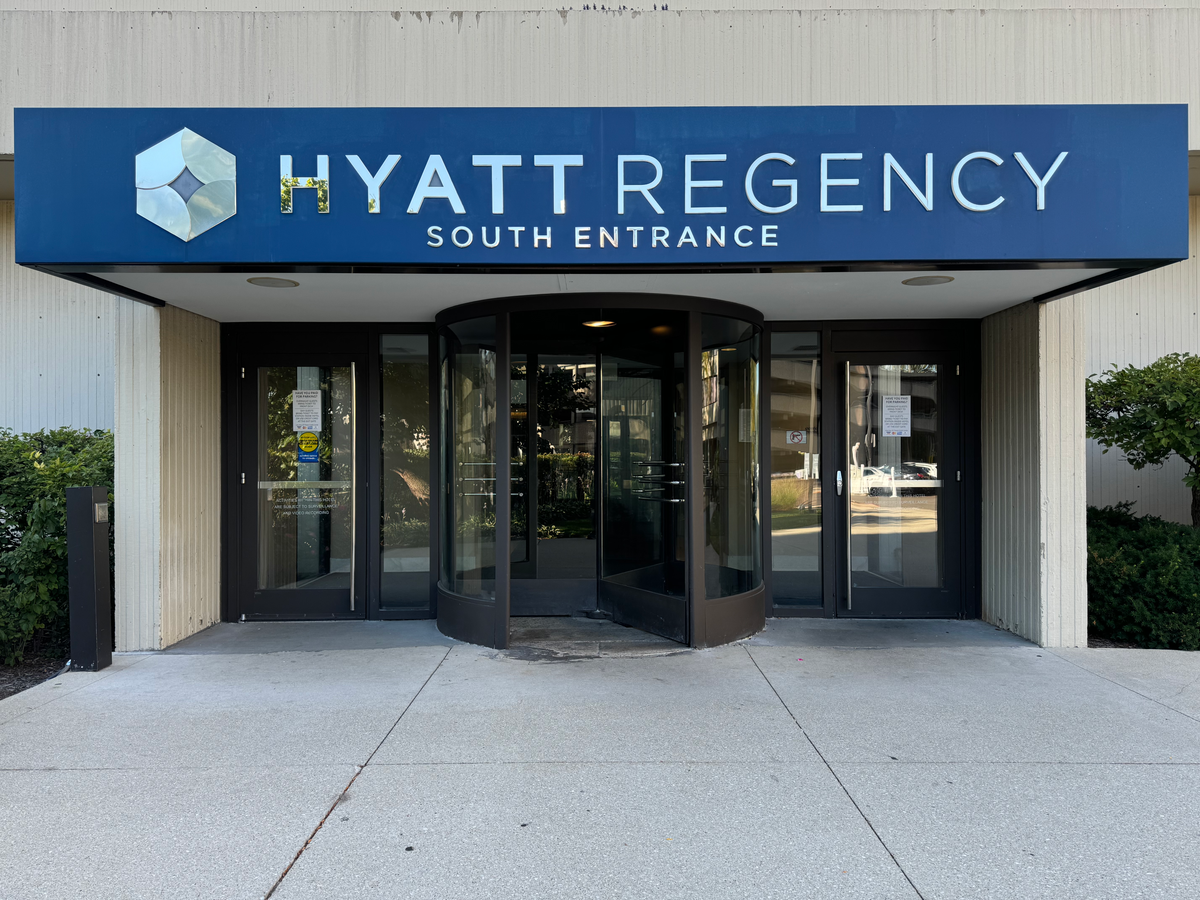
623	481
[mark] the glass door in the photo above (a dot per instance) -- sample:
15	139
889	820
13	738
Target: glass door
900	482
553	433
643	429
300	503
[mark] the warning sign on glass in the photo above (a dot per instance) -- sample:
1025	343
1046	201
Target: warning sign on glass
797	437
897	415
306	411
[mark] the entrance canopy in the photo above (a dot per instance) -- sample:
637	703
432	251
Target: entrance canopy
799	213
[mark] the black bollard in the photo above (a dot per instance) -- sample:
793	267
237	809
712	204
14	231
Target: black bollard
87	578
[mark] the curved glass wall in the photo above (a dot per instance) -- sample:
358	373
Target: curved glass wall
608	450
469	425
729	424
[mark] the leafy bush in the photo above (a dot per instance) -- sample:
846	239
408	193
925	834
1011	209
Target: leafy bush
1151	413
35	471
1143	579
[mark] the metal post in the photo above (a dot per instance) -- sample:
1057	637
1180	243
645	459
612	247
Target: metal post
503	480
88	578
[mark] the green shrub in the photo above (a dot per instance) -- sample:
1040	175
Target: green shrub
1143	579
35	471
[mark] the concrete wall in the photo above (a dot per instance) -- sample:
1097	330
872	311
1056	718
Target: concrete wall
549	58
190	447
1034	486
56	346
137	511
167	506
1135	322
382	52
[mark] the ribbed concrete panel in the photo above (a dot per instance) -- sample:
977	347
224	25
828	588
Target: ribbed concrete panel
1135	322
627	10
1063	477
1011	574
191	452
137	495
47	385
1034	485
554	58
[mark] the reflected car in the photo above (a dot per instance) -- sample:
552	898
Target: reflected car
876	481
928	468
913	474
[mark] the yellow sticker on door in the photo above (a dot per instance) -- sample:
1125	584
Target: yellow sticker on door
306	444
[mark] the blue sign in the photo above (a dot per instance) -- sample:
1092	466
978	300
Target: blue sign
601	187
307	447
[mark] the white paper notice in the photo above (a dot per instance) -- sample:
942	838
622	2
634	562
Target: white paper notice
897	415
306	411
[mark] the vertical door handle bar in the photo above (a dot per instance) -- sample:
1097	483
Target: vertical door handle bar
849	500
353	484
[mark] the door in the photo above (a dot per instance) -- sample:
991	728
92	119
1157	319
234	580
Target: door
643	432
900	486
554	545
301	501
597	436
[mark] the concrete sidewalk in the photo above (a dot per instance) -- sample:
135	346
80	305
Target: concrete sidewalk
820	759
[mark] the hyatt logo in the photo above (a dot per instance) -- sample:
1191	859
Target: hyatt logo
186	184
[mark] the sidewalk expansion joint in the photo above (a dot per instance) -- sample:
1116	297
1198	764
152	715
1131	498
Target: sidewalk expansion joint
1072	662
358	770
840	784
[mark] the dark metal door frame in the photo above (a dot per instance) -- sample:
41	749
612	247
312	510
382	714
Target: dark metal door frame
949	600
960	338
296	604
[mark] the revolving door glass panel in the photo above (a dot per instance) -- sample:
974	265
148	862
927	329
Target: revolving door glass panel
597	449
553	457
469	435
643	433
729	371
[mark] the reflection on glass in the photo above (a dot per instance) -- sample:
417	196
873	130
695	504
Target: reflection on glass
553	457
404	428
305	471
895	488
729	435
643	433
796	468
469	457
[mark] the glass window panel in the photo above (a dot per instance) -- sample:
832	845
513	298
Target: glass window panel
730	456
895	487
305	487
405	437
796	468
566	439
469	458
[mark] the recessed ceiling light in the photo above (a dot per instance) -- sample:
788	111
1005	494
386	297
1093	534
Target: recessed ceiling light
274	282
927	280
599	323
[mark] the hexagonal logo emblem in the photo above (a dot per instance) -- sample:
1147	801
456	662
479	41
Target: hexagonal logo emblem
186	184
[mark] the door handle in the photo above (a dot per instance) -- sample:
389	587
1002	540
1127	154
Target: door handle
353	483
839	483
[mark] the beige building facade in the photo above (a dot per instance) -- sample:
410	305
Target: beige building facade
154	374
